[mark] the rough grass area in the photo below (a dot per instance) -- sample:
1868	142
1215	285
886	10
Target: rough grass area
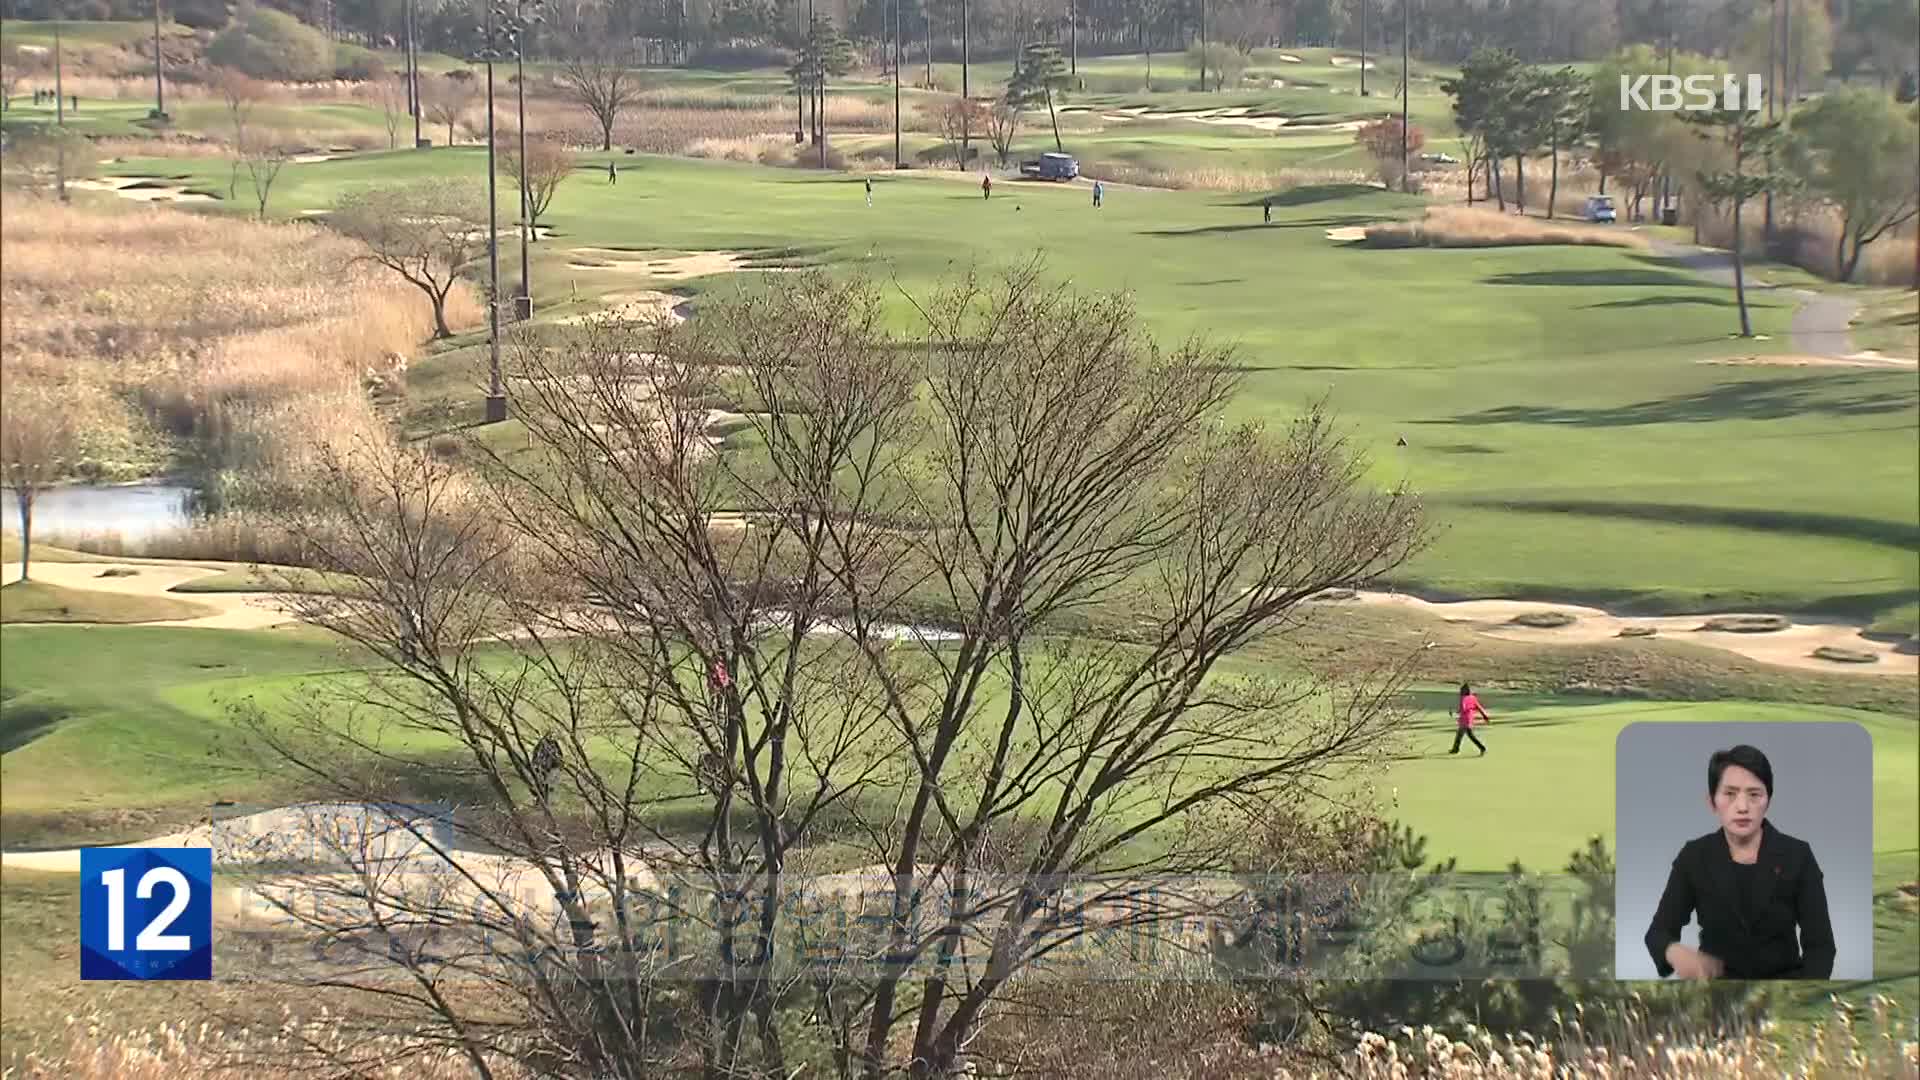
33	602
1460	227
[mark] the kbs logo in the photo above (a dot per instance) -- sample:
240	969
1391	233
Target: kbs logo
1693	93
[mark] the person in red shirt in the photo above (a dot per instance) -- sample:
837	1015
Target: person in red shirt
1469	709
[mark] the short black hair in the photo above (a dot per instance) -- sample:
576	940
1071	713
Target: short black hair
1465	689
1747	757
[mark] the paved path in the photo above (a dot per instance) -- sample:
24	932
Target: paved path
1822	322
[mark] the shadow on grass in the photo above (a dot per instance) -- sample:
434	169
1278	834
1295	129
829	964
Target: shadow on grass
1898	534
22	723
1762	399
1667	301
1313	193
1625	277
1339	221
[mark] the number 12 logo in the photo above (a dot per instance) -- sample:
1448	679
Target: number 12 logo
160	897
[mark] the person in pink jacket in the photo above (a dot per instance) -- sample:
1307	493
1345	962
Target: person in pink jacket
1469	710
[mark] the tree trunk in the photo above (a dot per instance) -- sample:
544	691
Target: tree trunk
1739	272
26	530
1603	181
1146	46
1493	178
1520	182
1553	185
1051	115
440	329
1844	263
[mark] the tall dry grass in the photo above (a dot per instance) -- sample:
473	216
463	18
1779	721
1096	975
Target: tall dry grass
1197	1035
671	123
1241	181
1460	227
237	342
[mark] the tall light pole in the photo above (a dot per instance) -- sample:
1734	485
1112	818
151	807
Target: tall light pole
523	303
1666	168
159	85
1363	48
59	117
496	383
413	77
897	162
966	95
1406	92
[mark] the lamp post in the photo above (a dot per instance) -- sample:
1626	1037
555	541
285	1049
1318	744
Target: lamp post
1406	92
897	163
500	40
159	85
413	80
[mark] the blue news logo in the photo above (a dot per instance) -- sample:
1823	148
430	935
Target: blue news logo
146	914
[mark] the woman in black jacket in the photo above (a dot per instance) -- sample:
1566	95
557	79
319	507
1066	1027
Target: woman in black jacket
1751	885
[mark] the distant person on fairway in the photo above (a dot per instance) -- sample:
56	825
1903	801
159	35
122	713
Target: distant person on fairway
1098	191
1266	210
612	177
869	191
986	187
1469	708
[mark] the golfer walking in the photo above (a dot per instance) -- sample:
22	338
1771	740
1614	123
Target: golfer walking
986	187
612	177
1098	192
1469	709
869	191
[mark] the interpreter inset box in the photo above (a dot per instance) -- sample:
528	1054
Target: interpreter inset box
1745	851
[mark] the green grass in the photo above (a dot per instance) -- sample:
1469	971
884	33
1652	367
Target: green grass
114	731
40	32
37	602
1889	321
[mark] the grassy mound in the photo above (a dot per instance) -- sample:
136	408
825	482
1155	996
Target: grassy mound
1334	594
34	602
1746	624
1845	656
1543	620
1638	631
1459	227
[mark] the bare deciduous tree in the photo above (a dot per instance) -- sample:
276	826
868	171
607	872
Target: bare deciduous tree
678	676
392	95
956	118
37	440
263	159
549	163
604	87
449	100
425	231
241	95
1003	123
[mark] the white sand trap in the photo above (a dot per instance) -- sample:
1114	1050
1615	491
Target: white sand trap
1348	61
666	268
231	611
150	190
1857	360
1347	234
311	159
509	232
1792	647
1289	58
640	304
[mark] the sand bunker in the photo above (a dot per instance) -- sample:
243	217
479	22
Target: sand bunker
668	267
1347	234
141	189
1348	61
232	611
1229	116
1868	359
1794	646
1289	58
311	159
639	305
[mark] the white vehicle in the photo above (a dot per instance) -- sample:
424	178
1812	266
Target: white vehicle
1599	209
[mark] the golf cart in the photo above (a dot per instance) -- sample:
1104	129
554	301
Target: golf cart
1599	209
1051	166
